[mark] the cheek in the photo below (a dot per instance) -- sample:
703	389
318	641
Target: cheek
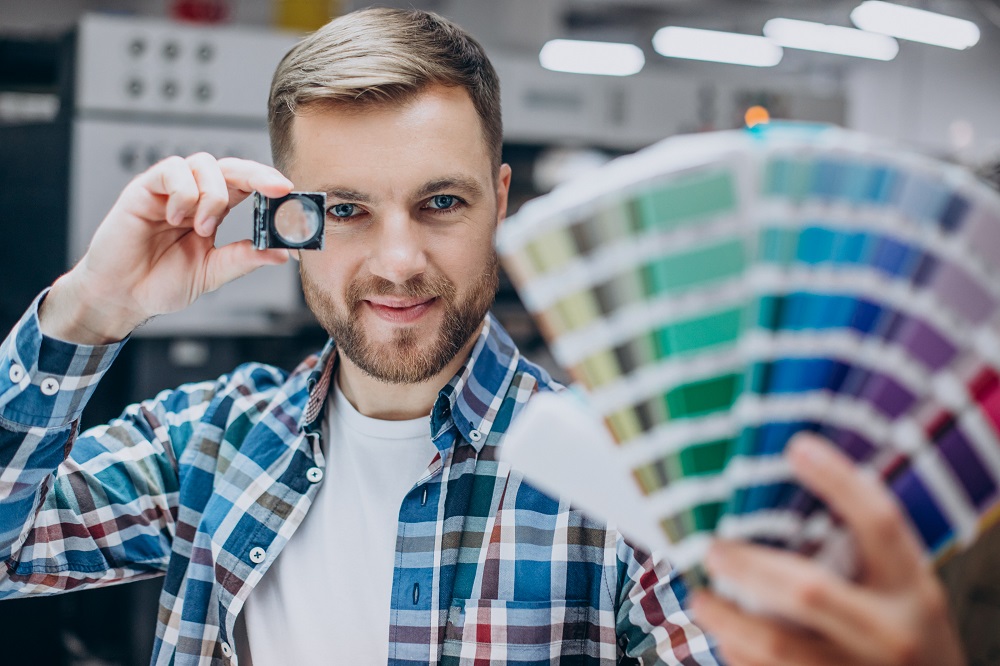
323	274
464	269
463	254
332	263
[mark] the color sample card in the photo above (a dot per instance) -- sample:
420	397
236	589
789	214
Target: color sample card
716	294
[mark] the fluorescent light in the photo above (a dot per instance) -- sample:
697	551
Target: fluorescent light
915	25
810	36
714	46
580	57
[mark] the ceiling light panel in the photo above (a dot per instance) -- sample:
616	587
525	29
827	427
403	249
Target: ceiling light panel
915	25
810	36
586	57
714	46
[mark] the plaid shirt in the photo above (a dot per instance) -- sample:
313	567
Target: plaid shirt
205	484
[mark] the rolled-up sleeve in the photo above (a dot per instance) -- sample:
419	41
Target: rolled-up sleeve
652	623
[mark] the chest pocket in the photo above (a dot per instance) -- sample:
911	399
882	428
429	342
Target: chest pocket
527	632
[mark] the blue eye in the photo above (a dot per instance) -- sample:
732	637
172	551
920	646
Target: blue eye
343	210
443	201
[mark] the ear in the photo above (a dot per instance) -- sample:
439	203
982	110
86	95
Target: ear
503	192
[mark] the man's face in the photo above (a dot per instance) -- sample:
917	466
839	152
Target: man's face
413	200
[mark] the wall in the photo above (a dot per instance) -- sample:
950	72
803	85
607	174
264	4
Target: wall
56	16
927	94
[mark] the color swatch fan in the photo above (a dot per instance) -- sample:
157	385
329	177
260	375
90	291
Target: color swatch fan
715	294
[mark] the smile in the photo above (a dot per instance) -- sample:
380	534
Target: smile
398	310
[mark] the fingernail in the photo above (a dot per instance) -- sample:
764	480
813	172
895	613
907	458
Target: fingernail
806	448
209	224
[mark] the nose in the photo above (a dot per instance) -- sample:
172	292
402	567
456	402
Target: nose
399	252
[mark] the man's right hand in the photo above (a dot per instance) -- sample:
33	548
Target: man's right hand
155	251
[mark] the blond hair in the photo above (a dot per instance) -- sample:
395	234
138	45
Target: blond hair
381	56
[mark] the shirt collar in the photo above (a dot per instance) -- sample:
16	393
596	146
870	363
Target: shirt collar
470	400
318	386
473	397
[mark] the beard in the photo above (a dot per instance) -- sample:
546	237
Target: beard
405	359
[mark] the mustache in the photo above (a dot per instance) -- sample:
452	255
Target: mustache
420	286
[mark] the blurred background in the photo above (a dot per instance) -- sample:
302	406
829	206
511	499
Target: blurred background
92	92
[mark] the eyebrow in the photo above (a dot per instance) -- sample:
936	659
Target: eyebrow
347	195
463	184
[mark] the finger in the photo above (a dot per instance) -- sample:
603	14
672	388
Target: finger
172	178
889	551
246	176
213	202
749	640
235	260
790	586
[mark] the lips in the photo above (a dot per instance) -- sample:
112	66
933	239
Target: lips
399	310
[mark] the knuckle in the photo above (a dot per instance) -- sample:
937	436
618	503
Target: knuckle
165	169
934	601
173	161
885	521
201	156
773	647
810	594
903	649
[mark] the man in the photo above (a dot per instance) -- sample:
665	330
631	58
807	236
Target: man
353	511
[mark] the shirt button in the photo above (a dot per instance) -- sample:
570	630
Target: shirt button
475	435
226	650
50	386
314	474
416	593
16	373
257	555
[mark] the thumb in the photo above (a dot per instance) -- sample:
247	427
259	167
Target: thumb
235	260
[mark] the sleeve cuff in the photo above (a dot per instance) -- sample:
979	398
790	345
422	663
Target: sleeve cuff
45	382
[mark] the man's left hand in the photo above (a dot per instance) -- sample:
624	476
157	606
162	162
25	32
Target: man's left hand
895	613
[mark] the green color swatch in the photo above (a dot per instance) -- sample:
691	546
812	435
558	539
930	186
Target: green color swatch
686	200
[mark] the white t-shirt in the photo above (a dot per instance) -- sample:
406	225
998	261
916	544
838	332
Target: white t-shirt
325	600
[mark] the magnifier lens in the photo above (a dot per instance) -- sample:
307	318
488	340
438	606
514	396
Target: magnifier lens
296	221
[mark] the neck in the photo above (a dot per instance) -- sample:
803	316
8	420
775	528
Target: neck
397	402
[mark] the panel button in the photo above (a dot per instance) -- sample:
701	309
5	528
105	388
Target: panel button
169	89
205	52
203	92
171	50
137	47
134	88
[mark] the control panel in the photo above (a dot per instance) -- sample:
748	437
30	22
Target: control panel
128	64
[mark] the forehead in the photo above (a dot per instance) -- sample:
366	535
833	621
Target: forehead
437	128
